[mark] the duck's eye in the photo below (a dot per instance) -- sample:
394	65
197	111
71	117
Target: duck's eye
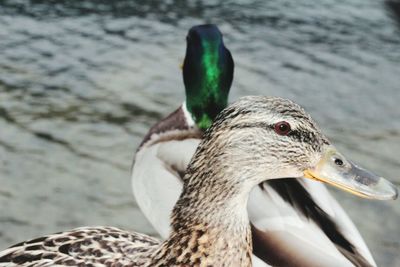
282	128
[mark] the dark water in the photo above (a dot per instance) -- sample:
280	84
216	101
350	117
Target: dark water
82	81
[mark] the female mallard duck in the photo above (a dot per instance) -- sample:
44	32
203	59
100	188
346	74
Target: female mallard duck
253	140
295	222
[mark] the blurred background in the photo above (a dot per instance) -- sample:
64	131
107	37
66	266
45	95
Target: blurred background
81	82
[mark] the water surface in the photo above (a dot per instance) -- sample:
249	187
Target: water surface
81	82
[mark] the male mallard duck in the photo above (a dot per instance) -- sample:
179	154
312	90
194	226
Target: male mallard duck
295	222
169	145
253	140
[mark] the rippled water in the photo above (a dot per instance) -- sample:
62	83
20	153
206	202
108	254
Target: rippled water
82	81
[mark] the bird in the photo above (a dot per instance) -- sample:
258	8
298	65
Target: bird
254	139
285	213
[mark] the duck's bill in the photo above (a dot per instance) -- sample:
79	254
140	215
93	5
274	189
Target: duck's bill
335	170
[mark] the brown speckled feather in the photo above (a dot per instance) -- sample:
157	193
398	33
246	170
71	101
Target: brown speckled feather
87	246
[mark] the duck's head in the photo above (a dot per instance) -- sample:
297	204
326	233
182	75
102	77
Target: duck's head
207	74
261	138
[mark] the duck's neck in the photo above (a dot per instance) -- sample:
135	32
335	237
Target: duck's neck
207	75
210	223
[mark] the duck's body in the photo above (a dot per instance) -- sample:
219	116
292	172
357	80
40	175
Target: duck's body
210	223
297	220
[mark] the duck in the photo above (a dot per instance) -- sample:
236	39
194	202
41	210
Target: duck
169	145
253	140
286	214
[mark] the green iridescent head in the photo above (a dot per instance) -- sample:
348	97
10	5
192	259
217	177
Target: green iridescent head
207	74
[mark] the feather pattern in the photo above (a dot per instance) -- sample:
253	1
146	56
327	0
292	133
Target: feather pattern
86	246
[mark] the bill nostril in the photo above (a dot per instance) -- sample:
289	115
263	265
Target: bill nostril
338	162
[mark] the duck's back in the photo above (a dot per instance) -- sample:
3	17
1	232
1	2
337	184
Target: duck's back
87	246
